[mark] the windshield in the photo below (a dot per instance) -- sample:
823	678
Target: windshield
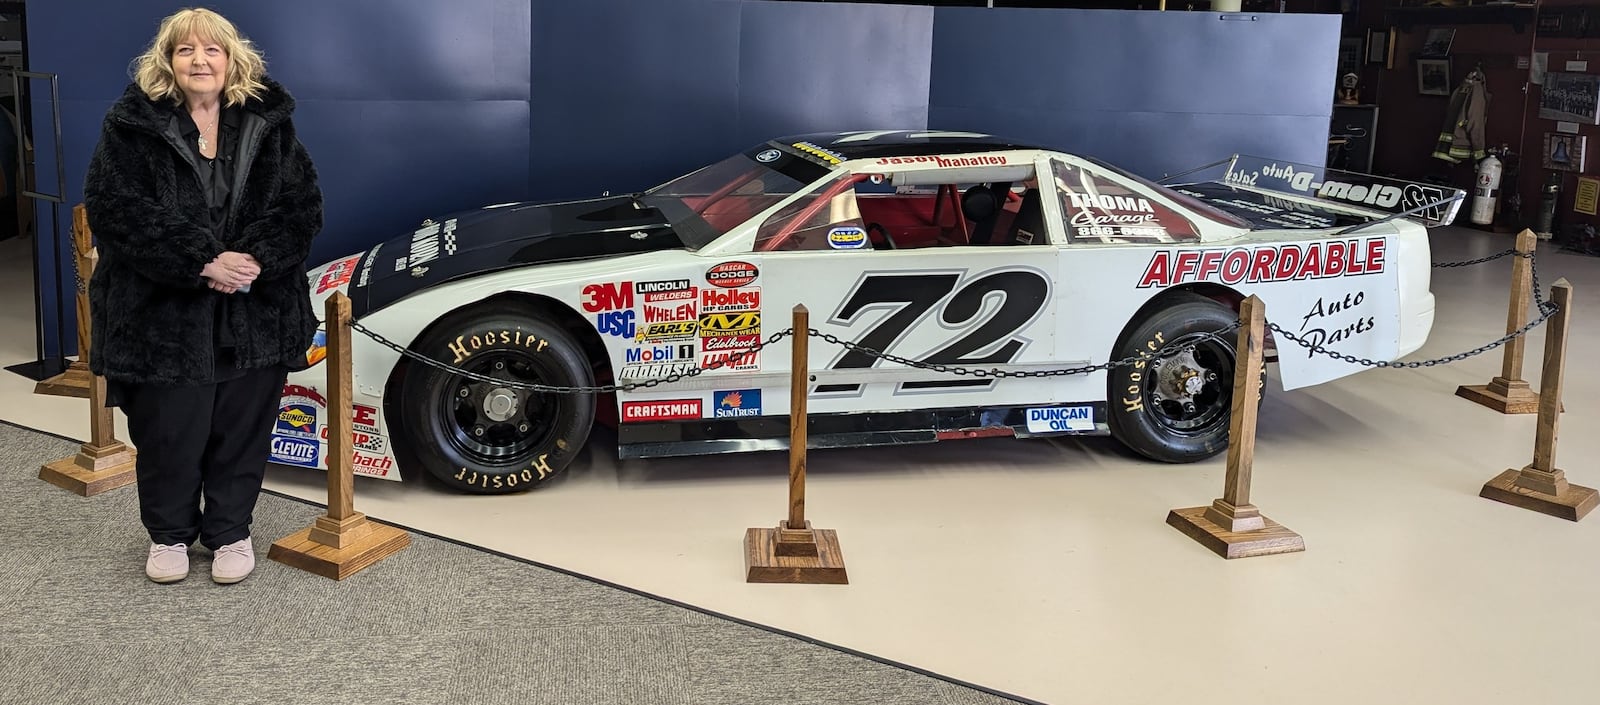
1199	207
706	204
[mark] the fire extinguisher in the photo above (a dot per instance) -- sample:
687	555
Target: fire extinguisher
1488	186
1547	206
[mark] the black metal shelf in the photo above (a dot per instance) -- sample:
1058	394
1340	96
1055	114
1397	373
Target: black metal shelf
1518	16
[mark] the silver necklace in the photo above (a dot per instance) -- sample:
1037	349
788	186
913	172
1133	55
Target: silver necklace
204	144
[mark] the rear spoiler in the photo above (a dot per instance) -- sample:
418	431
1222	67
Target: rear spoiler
1435	205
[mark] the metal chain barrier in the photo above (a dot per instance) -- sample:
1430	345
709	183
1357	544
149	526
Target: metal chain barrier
1546	310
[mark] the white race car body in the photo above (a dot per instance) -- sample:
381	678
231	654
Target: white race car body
1057	291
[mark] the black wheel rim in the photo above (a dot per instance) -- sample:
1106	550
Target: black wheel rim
1211	404
493	423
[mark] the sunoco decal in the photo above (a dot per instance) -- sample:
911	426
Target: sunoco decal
1276	263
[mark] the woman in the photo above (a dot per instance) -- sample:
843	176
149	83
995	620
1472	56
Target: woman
204	205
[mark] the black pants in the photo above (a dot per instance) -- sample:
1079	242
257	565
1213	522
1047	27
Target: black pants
208	440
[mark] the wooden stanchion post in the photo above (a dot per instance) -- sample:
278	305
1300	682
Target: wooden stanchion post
1232	527
1508	393
795	552
1541	486
75	380
344	541
104	463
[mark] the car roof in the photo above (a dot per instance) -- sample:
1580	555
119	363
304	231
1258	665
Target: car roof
904	143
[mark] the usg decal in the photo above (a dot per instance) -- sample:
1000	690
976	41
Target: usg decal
741	402
847	238
1275	263
1061	418
732	274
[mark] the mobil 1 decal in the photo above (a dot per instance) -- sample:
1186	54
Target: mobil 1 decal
955	317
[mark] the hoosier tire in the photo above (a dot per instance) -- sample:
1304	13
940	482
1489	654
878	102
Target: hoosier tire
488	438
1178	410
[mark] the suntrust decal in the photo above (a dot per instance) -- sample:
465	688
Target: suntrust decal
1270	263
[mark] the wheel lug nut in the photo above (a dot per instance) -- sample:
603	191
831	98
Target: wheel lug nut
465	392
1211	376
523	428
477	431
500	365
1188	407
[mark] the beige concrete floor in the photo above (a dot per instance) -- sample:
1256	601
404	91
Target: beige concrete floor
1044	568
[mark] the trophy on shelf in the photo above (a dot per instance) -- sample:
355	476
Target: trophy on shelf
1349	89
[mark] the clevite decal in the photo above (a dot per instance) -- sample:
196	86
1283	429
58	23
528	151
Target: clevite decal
1270	263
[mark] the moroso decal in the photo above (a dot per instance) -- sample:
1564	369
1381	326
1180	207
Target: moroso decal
1274	263
675	409
732	274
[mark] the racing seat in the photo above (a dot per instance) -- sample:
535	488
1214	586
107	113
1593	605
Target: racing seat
1027	227
982	205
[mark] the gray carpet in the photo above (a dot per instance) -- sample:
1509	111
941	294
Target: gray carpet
435	623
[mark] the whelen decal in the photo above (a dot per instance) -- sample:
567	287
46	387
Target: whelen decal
732	274
673	410
1275	263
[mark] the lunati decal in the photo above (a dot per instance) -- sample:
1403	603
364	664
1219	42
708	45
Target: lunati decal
1275	263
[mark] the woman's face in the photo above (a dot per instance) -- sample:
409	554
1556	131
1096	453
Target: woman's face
201	67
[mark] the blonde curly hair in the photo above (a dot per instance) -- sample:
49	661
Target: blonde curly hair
152	71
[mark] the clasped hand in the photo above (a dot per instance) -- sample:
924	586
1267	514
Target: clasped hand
231	271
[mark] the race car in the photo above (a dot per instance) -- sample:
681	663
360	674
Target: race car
939	248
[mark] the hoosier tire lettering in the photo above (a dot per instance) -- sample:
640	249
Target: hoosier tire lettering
477	341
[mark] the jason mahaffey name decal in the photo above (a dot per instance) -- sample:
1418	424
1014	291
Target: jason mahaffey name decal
1271	263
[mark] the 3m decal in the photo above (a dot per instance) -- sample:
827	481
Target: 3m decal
1061	418
337	274
716	325
722	300
737	403
1025	294
677	409
732	274
297	420
1274	263
735	342
607	297
294	451
847	238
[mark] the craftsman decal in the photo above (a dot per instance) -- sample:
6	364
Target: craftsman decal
1275	263
661	410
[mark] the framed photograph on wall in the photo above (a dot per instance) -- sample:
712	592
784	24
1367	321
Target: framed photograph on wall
1433	76
1570	97
1380	47
1564	152
1438	42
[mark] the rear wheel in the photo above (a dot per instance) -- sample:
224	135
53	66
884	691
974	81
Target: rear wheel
1176	409
494	437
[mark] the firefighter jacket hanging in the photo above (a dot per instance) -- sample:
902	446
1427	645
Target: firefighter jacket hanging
1462	135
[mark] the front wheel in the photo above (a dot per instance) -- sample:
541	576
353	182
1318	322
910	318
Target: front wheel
1175	409
492	437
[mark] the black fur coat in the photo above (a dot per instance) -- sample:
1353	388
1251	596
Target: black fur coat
153	317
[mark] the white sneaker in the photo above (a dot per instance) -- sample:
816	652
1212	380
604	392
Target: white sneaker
168	563
231	563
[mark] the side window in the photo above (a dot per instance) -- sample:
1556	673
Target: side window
825	219
1101	207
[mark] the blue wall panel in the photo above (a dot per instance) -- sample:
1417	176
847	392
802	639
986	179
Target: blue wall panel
626	94
807	67
1153	92
412	107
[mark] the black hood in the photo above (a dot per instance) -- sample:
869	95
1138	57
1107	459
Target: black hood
490	239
